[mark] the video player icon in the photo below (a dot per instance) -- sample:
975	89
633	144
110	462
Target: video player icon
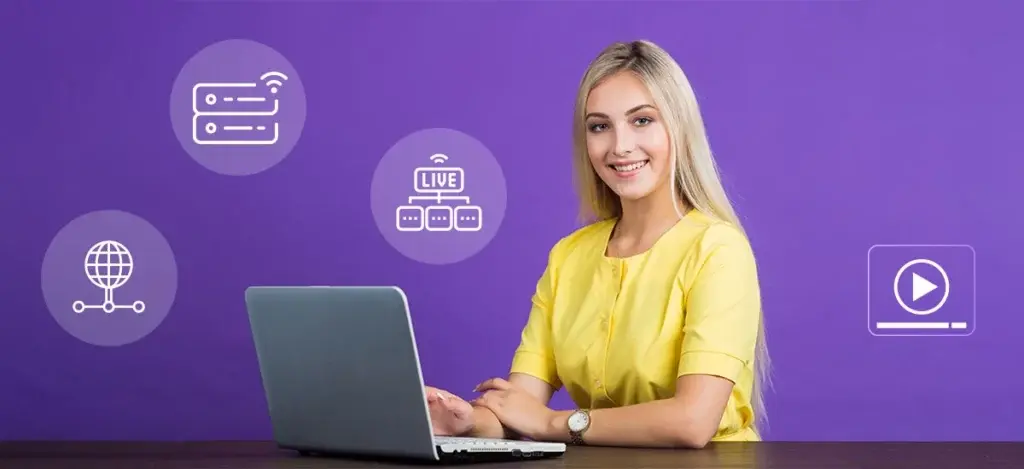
932	290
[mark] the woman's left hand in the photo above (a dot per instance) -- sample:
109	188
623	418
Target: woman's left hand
516	409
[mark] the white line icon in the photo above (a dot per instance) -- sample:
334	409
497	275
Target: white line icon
933	274
439	182
108	265
237	113
921	287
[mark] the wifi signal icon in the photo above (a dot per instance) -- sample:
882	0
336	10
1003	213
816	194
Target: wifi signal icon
439	158
273	81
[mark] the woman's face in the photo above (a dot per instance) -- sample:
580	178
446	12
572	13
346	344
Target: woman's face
627	142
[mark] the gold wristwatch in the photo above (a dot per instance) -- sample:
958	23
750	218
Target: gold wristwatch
579	422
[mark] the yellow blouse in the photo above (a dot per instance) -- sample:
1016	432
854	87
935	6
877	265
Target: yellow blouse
620	331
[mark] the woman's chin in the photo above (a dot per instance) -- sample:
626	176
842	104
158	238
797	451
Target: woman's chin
632	191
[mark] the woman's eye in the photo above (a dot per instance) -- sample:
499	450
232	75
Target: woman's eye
597	127
643	121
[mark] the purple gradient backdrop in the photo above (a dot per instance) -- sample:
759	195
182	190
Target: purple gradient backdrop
838	125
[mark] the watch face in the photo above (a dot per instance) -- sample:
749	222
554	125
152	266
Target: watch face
578	421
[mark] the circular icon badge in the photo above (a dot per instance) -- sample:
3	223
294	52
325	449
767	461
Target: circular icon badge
438	196
920	286
238	107
109	278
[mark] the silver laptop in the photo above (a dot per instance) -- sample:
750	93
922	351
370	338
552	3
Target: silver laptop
342	376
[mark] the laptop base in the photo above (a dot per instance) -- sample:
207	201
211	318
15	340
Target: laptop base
444	458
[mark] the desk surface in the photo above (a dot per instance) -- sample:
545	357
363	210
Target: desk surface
264	455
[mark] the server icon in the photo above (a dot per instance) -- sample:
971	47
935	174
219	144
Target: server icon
237	113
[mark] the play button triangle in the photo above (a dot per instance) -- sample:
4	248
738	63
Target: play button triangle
922	287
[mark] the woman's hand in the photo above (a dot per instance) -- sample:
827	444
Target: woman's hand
517	410
449	414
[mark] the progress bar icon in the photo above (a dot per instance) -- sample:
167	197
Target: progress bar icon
920	325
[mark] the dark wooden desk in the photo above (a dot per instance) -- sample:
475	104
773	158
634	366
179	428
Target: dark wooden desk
263	455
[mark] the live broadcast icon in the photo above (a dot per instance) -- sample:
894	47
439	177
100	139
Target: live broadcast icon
921	290
440	188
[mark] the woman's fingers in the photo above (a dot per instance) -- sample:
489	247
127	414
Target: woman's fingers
493	384
434	394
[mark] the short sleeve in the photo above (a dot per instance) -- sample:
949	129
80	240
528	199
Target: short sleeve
535	355
722	308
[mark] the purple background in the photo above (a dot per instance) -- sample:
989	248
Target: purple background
838	125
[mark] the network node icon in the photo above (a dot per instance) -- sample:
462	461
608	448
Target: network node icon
437	184
108	265
469	218
409	218
439	218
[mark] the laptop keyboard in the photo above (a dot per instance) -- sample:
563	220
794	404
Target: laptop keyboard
481	442
459	445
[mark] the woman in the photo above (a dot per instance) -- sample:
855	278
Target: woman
650	317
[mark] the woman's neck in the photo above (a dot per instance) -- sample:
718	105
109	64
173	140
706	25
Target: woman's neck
651	215
643	222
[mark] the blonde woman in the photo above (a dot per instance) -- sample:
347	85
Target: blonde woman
650	316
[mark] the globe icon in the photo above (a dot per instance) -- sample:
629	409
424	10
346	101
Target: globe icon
108	265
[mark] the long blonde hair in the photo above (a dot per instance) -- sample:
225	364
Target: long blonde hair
694	174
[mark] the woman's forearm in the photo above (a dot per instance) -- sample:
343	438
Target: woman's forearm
652	424
487	425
